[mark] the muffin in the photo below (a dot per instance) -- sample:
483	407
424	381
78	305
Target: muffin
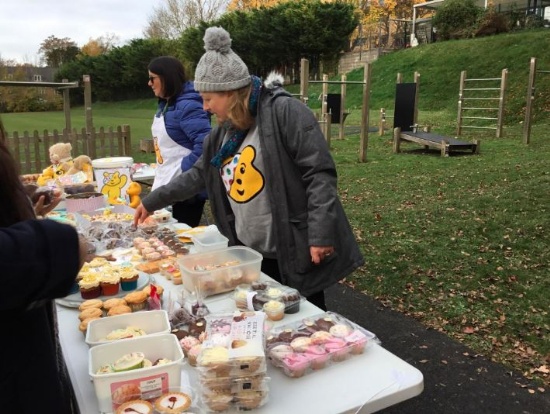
135	406
111	303
193	354
296	364
249	399
318	356
218	401
214	361
136	300
172	403
119	310
90	313
91	303
110	284
338	349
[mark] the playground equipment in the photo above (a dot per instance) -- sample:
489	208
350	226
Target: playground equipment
481	93
382	122
326	120
530	99
406	127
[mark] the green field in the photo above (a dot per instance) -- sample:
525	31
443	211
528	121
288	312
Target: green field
460	243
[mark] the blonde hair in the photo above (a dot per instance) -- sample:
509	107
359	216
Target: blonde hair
238	111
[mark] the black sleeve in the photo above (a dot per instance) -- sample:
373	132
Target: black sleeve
38	261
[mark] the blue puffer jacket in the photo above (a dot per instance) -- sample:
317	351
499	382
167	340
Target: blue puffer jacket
186	123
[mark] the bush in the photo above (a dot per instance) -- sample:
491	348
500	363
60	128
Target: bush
492	22
456	19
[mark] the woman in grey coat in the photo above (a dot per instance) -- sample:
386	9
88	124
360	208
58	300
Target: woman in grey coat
269	174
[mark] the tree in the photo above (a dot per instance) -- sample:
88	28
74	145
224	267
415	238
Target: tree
252	4
100	45
171	19
457	19
57	51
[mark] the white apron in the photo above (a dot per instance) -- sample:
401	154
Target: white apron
169	154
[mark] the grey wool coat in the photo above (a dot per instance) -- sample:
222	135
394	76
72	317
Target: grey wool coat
300	178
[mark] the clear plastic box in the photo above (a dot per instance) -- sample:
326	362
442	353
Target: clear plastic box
219	271
153	322
315	342
113	389
209	241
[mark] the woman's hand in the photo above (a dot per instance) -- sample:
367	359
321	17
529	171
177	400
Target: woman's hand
319	253
41	210
140	215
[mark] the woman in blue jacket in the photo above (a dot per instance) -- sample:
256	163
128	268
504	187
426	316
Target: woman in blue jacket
179	127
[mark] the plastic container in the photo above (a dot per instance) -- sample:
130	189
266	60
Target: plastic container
84	202
113	389
113	177
316	342
209	240
152	322
219	271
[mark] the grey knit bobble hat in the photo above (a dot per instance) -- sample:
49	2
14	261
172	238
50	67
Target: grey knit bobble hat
220	69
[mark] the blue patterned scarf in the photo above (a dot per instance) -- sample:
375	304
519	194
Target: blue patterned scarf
237	136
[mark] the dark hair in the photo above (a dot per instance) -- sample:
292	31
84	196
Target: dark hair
172	74
15	205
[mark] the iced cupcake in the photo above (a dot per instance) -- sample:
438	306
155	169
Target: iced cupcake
89	287
274	310
128	279
110	284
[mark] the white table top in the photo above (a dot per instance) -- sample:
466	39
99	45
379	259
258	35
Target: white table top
362	384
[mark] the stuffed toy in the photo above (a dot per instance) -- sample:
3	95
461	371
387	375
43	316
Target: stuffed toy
82	163
62	161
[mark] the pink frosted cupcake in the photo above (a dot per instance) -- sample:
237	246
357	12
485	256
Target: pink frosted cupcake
279	352
357	340
188	342
296	364
338	349
318	356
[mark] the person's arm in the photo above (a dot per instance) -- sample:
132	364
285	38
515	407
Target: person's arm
39	260
195	123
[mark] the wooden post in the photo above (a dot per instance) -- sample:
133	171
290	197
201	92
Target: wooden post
503	83
399	78
324	95
342	107
529	101
88	102
382	122
397	140
304	80
67	106
364	138
460	102
417	82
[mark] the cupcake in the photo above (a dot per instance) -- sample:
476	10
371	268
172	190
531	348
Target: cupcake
91	303
193	354
338	349
274	310
136	406
188	342
172	403
119	310
128	279
357	341
90	313
279	352
136	300
110	284
301	343
318	356
340	330
89	287
296	364
241	295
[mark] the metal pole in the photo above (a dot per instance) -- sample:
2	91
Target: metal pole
530	99
503	83
342	107
460	101
304	80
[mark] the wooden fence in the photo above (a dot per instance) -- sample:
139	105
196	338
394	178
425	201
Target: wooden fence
32	149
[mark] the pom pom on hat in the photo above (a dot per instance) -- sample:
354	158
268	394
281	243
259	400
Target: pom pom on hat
220	69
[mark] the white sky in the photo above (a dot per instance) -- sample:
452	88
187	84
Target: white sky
25	24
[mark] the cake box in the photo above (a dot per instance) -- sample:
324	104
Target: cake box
113	389
219	271
154	322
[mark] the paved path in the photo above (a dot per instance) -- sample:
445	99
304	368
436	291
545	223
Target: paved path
455	380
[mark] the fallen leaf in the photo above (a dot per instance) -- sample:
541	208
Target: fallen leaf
468	330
